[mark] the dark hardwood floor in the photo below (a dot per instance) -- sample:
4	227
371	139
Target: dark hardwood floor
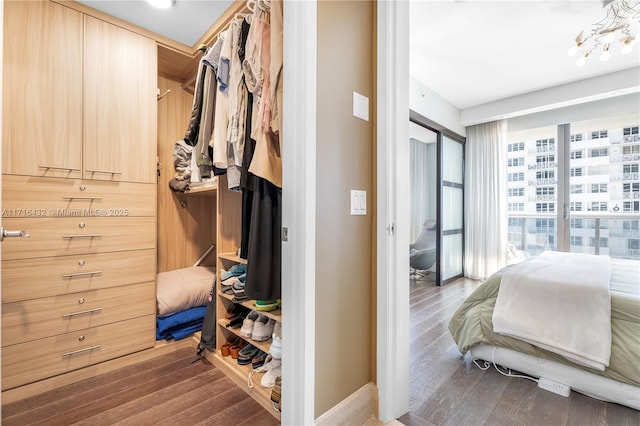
446	390
167	390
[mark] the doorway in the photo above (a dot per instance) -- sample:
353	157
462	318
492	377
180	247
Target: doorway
437	194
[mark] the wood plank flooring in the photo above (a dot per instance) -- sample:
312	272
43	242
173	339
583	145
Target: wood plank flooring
446	390
166	390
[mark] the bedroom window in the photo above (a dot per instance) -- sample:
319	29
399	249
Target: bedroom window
577	189
631	206
630	168
599	134
575	240
598	206
599	152
514	147
514	162
546	145
599	188
631	187
604	242
516	177
516	192
576	137
576	155
631	134
576	172
545	207
575	206
631	149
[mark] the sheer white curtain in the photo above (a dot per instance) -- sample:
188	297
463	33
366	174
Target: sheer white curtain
485	201
419	186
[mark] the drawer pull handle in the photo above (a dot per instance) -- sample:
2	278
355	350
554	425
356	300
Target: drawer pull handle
81	198
87	349
113	172
68	237
71	169
88	311
82	274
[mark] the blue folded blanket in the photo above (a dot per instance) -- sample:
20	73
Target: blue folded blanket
181	324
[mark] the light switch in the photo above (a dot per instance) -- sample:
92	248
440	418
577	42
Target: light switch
358	203
360	106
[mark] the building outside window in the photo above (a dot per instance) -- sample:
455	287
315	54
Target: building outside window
576	155
603	189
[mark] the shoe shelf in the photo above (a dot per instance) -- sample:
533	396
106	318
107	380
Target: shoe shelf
263	346
275	315
239	374
232	257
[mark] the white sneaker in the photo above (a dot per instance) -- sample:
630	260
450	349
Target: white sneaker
248	323
262	328
273	369
276	346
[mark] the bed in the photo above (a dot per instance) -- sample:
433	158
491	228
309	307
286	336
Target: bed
472	327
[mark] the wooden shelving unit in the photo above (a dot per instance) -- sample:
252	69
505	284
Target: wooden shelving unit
229	225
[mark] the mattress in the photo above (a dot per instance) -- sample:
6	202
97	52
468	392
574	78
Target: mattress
472	326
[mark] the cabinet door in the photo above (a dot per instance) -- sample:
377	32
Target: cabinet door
42	100
119	104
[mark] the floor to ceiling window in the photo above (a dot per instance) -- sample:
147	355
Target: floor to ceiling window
590	185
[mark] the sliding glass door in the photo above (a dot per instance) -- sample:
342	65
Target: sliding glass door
442	200
451	206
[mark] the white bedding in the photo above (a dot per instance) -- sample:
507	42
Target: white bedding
545	300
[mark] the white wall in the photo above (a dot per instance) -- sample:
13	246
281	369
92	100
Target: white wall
575	93
431	105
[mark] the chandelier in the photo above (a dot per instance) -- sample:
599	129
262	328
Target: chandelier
620	25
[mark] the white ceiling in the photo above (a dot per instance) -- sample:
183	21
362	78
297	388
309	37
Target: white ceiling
470	52
185	22
475	52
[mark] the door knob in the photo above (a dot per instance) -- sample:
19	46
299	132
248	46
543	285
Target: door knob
4	234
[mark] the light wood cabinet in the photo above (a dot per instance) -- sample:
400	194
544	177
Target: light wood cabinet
120	83
79	96
42	84
79	175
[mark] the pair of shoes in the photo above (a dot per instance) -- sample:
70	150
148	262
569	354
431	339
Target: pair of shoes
257	327
259	360
266	305
276	394
235	271
225	349
247	354
272	369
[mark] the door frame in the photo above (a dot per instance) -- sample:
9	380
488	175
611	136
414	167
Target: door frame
392	223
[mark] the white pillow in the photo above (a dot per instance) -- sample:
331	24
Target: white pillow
185	288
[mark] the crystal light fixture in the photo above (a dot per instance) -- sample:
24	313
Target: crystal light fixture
618	29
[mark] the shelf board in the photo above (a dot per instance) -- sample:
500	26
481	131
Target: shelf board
263	346
275	315
232	257
239	375
208	188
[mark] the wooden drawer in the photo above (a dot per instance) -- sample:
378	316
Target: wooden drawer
50	316
37	197
51	276
28	362
78	235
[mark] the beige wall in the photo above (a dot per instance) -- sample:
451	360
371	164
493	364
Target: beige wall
344	279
